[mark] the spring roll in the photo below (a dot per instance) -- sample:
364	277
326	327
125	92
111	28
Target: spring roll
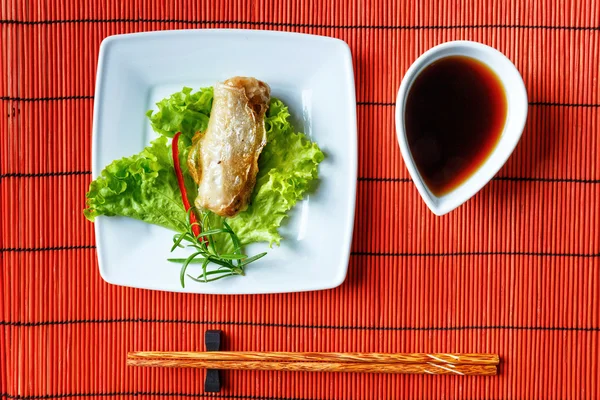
224	159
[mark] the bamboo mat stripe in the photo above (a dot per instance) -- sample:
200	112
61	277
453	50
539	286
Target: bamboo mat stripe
514	271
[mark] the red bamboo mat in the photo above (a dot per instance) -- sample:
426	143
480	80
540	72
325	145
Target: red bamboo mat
515	271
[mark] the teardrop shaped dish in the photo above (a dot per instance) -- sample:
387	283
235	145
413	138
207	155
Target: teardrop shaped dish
460	112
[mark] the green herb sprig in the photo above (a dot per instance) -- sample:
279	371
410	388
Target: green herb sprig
215	265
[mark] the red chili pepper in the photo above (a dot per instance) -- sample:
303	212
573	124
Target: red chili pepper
181	183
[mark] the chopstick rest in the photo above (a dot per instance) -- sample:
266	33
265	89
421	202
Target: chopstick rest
212	382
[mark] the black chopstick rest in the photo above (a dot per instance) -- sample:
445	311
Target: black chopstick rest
212	341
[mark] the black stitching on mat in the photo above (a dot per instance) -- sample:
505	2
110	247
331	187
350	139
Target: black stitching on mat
375	103
296	25
532	103
360	178
298	326
498	178
43	174
59	98
162	394
474	253
554	104
358	103
375	179
553	180
37	249
354	253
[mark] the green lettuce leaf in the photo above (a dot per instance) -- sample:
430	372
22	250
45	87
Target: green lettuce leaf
143	186
184	112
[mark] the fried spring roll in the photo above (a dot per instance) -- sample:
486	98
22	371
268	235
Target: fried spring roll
224	159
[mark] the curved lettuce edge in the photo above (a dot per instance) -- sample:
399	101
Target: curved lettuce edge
184	112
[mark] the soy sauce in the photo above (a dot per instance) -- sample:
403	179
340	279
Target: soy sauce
454	116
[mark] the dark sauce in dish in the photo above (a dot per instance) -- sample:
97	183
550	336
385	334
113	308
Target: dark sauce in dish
454	116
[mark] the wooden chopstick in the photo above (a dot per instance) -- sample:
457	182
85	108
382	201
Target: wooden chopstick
397	368
405	358
411	363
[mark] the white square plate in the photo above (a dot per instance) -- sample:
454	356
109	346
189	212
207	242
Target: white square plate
313	75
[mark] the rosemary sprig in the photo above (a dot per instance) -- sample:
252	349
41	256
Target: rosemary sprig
215	265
